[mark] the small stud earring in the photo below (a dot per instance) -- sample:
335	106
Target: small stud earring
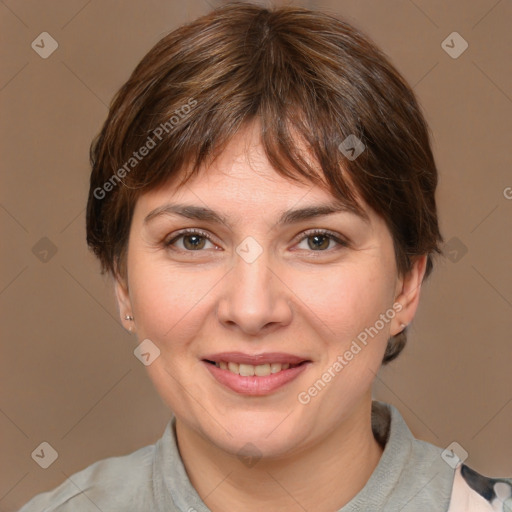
128	317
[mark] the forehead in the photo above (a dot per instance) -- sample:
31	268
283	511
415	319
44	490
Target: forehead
243	160
240	176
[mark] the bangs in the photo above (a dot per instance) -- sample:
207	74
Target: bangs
303	115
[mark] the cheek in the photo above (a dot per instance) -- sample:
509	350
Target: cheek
346	299
352	303
167	301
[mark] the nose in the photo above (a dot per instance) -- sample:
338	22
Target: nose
255	298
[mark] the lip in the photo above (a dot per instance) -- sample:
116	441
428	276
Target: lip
256	359
253	385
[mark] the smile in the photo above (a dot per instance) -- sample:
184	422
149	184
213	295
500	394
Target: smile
250	370
254	380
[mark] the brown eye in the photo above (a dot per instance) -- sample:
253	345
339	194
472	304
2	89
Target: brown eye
191	241
320	240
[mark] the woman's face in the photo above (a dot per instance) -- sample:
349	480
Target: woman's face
260	286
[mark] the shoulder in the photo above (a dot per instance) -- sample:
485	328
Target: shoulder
426	480
473	492
109	484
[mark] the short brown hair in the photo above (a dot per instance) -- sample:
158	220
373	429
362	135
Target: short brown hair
306	75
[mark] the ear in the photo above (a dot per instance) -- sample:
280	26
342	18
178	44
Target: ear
124	304
407	295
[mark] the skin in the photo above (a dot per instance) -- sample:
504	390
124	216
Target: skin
294	298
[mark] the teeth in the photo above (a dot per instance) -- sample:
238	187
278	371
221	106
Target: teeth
262	370
277	367
246	370
234	367
249	370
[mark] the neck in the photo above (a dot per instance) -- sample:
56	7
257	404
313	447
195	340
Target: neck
324	477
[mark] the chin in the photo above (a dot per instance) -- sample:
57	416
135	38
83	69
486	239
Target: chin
253	434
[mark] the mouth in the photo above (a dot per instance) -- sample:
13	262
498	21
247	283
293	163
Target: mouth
250	370
255	375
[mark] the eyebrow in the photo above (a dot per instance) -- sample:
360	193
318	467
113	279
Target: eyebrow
287	217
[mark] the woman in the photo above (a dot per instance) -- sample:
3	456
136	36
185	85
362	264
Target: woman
263	194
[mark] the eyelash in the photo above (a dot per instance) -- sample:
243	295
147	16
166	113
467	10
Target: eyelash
307	234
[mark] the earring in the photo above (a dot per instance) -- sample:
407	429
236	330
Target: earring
130	319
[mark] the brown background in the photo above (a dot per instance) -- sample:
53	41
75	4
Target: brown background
69	376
